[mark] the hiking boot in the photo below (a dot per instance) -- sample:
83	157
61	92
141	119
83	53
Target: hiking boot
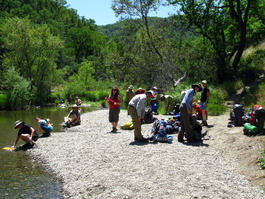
204	123
45	134
26	146
143	140
114	130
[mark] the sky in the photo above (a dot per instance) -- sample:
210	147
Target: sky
101	12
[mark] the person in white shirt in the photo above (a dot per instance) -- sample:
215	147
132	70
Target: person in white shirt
136	109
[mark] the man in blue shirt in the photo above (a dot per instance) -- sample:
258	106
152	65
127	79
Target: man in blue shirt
186	112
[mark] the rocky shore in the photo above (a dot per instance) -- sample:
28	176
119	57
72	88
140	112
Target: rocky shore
94	163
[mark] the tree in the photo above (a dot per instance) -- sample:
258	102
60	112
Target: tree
32	50
80	82
224	23
17	89
150	55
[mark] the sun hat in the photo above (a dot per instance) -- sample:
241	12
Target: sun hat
18	122
194	104
204	81
130	87
152	92
75	106
155	88
197	85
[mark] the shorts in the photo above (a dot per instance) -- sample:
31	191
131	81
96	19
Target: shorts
114	114
202	106
35	136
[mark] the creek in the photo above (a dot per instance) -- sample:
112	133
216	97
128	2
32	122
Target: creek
20	175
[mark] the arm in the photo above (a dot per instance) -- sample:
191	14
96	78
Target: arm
207	100
15	143
31	132
38	128
119	100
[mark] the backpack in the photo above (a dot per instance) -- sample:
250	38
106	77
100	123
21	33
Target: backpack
176	109
159	132
148	116
238	114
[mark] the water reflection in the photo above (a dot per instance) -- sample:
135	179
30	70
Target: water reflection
22	177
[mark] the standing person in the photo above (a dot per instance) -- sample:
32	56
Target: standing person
205	96
186	111
44	125
73	118
153	100
114	100
25	133
136	110
139	91
129	94
198	111
168	100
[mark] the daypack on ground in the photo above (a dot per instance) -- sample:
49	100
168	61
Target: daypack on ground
237	114
148	116
128	125
159	132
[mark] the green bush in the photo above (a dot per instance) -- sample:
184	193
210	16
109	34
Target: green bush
90	96
55	97
102	94
262	163
252	66
3	101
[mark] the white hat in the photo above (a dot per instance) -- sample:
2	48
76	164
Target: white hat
75	106
130	87
152	92
204	81
17	123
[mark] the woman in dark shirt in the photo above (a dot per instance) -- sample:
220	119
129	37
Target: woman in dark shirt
25	133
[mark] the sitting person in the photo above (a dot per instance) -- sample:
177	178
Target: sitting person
45	126
78	101
25	133
198	111
73	118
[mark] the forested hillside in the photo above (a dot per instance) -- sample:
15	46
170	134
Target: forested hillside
45	45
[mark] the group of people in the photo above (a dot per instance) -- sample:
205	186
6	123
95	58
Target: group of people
29	135
137	102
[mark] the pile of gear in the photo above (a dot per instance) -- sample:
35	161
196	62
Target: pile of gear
253	120
161	129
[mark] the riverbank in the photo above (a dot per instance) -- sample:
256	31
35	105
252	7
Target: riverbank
94	163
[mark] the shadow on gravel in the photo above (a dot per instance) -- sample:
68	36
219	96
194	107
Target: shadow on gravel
197	144
141	143
113	132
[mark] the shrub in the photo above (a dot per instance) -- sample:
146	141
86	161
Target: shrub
3	101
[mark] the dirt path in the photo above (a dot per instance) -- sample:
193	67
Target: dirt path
242	151
94	163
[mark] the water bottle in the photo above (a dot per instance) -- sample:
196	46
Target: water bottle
250	127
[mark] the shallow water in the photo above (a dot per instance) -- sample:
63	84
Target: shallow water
20	175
